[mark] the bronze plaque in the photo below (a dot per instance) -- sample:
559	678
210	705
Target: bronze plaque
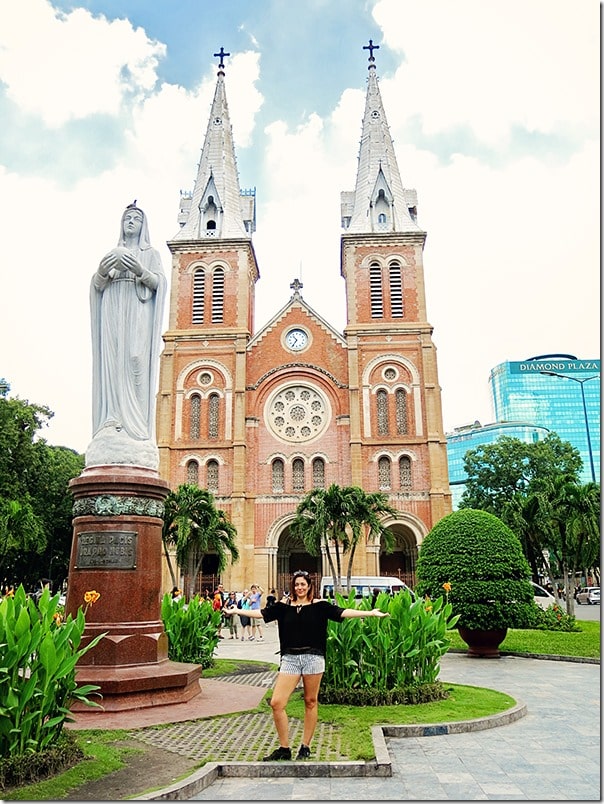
107	549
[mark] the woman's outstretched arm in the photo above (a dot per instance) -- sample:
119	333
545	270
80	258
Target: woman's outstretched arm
359	613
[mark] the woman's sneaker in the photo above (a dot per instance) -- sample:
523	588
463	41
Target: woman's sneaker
279	753
304	752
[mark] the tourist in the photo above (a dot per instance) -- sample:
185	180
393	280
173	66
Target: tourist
255	602
243	605
302	624
232	622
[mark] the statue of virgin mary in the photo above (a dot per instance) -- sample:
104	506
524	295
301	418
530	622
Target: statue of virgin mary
127	297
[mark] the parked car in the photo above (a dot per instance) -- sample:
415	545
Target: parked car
589	595
542	597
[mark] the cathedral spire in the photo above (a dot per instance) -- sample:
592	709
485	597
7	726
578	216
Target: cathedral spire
379	201
217	208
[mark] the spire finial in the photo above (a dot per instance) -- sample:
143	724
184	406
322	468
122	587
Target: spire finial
295	286
221	56
371	47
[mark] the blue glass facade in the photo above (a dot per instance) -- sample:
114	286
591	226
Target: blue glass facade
559	393
464	438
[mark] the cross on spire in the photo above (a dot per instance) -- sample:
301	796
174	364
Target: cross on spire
371	47
295	286
221	56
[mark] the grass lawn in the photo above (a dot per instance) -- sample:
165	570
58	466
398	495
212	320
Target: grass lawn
584	643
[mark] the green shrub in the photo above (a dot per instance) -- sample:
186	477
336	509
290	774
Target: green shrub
553	618
23	769
391	656
38	656
482	560
192	629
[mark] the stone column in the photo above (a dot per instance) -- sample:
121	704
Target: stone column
117	551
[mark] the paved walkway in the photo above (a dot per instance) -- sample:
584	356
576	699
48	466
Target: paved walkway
553	753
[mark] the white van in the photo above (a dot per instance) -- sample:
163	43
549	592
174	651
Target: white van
364	585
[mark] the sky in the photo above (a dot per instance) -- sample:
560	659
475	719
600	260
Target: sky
493	106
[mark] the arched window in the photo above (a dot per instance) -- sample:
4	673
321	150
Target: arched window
381	399
375	290
195	416
298	474
396	291
218	296
212	476
213	411
318	473
278	476
404	472
381	218
402	424
199	282
384	478
211	225
193	473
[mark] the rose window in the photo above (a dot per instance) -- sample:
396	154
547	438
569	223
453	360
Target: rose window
298	413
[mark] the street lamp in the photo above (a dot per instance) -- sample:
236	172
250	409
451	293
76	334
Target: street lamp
576	379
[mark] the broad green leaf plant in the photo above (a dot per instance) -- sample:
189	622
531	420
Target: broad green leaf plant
192	628
396	652
38	656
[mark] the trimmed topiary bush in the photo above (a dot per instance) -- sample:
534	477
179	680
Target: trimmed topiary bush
482	559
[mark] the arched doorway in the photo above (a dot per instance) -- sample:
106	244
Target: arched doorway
292	556
401	562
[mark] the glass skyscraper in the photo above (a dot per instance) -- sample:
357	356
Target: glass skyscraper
558	392
475	435
531	398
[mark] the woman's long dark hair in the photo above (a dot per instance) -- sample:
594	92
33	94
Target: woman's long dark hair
308	578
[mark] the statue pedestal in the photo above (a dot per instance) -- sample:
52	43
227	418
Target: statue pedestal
117	551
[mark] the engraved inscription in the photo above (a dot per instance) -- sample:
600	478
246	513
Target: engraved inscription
106	550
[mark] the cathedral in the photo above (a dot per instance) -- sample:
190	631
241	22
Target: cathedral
262	417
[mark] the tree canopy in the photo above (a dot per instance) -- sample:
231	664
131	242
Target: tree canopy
336	518
194	525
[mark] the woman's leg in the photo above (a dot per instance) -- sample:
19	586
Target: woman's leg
311	705
284	686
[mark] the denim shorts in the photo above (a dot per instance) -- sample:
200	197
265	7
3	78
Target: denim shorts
302	664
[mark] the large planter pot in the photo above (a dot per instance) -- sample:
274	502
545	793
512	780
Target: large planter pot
483	644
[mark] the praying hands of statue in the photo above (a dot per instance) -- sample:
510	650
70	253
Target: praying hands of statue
118	260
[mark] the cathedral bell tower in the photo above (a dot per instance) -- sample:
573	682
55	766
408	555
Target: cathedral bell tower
202	367
397	436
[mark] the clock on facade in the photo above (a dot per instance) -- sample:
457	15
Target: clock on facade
296	339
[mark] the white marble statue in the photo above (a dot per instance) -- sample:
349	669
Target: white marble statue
127	296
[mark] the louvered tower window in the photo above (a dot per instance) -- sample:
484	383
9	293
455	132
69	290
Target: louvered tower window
318	473
195	416
193	473
199	282
213	411
278	475
381	399
218	296
396	291
375	290
404	471
384	479
298	474
212	476
402	425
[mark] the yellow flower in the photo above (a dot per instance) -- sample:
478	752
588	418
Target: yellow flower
57	618
91	597
447	586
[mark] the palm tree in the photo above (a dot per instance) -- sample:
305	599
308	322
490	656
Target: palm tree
336	518
194	524
573	511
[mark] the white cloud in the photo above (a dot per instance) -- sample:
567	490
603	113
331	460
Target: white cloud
68	66
492	65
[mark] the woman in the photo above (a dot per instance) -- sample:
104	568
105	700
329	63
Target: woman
302	623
